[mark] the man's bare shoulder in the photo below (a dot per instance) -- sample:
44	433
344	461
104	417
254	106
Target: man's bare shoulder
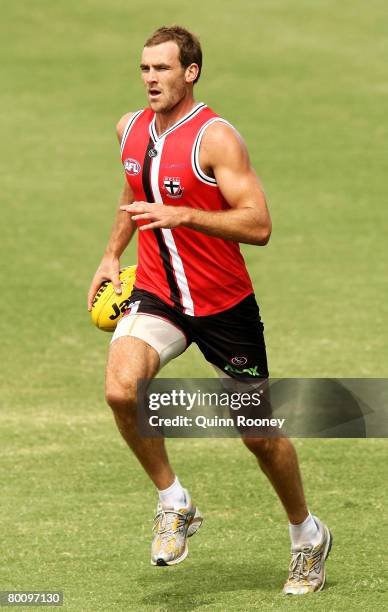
121	125
221	141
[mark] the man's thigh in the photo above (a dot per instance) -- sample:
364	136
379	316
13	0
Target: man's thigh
129	359
141	345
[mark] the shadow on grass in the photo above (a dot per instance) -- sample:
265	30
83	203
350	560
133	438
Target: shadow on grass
189	587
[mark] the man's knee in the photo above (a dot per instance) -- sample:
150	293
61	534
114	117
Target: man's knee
122	399
261	447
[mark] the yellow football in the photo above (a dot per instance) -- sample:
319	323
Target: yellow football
108	306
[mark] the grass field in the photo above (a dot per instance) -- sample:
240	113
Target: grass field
305	83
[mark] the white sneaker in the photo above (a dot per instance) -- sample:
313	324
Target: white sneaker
307	566
172	528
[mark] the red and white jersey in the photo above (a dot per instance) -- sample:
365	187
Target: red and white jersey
198	274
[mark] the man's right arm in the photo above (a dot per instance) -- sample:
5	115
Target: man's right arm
122	232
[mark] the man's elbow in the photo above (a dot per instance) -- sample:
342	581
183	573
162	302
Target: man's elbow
263	234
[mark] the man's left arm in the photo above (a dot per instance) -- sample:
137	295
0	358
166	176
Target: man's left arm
224	154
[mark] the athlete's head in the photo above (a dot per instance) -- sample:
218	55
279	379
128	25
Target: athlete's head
171	63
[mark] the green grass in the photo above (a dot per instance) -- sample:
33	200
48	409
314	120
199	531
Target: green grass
305	83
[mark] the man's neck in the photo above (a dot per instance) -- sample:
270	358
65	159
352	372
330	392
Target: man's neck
166	120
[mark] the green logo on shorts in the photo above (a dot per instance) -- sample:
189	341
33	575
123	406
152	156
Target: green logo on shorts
250	371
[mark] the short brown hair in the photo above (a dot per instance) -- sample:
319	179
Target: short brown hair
190	51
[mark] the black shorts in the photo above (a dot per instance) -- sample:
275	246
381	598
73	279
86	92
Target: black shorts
232	340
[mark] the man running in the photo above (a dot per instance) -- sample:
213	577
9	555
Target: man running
192	194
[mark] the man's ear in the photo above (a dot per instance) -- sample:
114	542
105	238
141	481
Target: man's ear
191	73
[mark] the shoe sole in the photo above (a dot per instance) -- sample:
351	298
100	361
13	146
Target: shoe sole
326	554
193	528
195	523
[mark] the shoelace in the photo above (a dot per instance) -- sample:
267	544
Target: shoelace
165	519
304	562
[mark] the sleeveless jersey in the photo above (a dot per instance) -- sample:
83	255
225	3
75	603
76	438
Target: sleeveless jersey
197	274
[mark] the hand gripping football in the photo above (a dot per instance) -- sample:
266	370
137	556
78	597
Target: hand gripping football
108	307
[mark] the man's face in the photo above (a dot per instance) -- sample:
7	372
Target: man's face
163	76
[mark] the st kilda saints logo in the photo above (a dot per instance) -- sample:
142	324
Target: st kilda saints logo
173	187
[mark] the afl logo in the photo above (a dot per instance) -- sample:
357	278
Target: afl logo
239	361
131	166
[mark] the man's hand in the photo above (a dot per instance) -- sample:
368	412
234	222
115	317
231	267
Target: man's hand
108	270
158	215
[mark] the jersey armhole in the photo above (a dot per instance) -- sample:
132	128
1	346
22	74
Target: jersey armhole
127	129
199	173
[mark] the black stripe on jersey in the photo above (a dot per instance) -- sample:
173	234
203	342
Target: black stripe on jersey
145	177
175	295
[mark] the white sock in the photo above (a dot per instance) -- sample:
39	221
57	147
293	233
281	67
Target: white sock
304	534
174	496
